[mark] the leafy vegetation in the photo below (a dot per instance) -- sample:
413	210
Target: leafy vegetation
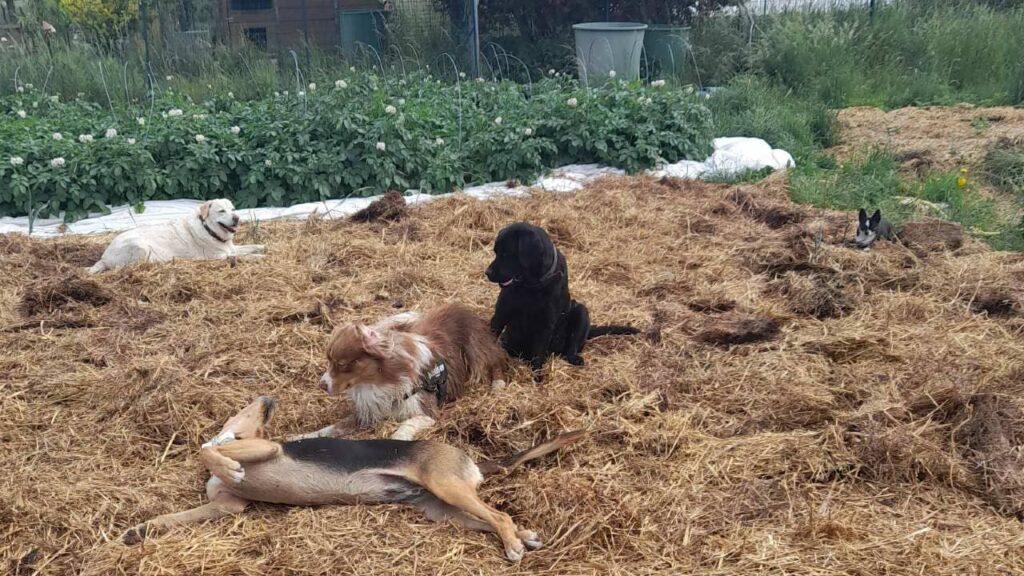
356	136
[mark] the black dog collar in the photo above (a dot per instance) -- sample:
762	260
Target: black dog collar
211	232
434	381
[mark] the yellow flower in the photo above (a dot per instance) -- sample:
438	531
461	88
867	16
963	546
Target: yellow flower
961	180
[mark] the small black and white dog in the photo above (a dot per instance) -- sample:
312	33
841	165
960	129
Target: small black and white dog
871	229
534	315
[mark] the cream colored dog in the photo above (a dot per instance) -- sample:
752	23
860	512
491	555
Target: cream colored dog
206	235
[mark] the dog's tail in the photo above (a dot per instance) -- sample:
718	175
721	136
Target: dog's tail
611	330
543	449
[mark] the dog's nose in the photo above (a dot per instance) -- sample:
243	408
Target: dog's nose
489	273
324	384
235	219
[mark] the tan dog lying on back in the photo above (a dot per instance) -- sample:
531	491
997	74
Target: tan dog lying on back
437	478
406	367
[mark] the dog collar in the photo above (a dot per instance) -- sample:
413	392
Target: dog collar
219	439
434	381
552	272
211	232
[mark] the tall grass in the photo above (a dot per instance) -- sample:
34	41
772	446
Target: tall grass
910	52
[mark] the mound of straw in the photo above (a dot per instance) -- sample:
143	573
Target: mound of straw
867	420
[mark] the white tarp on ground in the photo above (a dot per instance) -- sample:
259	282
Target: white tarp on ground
731	156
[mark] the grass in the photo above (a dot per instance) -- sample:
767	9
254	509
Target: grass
909	53
1004	167
874	181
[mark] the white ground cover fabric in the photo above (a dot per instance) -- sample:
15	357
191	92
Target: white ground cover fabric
731	156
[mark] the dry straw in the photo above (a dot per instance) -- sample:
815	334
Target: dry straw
868	423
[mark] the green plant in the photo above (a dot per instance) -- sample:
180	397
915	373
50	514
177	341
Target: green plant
355	136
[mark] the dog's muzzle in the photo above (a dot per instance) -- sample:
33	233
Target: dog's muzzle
325	382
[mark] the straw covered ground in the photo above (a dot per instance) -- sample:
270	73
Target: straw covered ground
794	406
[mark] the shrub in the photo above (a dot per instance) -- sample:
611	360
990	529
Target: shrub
373	135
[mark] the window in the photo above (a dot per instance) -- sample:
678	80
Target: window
258	36
251	5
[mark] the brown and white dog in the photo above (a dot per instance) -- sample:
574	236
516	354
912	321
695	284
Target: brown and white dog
437	478
407	366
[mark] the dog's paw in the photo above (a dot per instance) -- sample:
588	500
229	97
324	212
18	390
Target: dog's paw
134	535
531	539
515	551
575	360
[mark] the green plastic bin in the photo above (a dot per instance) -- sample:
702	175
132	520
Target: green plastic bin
605	46
359	29
668	50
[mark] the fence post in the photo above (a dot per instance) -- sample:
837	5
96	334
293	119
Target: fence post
871	9
305	30
148	67
474	41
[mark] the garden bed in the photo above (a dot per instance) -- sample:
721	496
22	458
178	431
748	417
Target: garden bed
793	406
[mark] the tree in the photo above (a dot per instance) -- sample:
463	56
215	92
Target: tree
104	18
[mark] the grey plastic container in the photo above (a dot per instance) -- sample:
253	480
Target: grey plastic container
605	46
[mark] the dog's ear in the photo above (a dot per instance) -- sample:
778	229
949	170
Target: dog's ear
531	251
876	218
204	209
373	342
862	217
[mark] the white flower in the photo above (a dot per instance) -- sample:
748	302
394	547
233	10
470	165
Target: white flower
20	89
528	131
551	72
439	141
285	92
340	84
22	114
498	120
390	109
17	160
268	163
558	74
312	86
381	146
141	121
3	38
572	102
611	73
169	78
236	130
351	68
302	93
111	133
277	94
200	138
479	79
401	101
648	101
209	86
462	74
28	86
199	116
689	90
58	136
85	138
175	112
131	141
231	95
55	99
35	104
658	83
57	163
163	115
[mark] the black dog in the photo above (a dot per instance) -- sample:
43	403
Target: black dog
534	315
